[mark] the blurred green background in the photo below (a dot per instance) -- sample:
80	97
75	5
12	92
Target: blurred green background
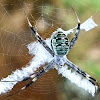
47	16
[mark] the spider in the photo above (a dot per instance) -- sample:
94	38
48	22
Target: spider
60	47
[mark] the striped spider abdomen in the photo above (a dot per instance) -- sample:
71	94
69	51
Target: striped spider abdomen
60	43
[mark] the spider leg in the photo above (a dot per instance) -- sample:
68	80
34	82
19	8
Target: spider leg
38	37
84	74
41	71
76	34
35	76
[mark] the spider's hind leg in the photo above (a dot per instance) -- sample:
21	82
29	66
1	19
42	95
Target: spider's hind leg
38	37
74	39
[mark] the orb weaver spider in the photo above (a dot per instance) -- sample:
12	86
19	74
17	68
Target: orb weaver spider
60	46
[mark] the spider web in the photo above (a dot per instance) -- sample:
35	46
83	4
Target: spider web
47	16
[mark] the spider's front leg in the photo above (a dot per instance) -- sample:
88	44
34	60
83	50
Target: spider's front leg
35	76
76	35
77	69
84	74
38	37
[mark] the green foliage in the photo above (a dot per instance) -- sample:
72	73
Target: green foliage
93	4
93	67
